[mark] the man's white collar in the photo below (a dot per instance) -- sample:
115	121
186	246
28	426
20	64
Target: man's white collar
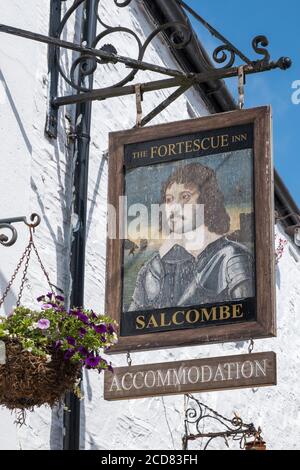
192	241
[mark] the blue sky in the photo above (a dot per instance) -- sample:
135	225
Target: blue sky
240	23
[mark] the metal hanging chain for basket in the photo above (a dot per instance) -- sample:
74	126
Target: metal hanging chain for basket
25	257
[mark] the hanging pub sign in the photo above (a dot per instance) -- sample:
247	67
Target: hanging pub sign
190	252
198	375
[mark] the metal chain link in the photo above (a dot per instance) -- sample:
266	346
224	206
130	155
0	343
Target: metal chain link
25	256
24	276
43	267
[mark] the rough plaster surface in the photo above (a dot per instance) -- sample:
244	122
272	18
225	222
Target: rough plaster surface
37	176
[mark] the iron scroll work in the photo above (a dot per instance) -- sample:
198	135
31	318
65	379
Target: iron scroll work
102	52
8	224
198	416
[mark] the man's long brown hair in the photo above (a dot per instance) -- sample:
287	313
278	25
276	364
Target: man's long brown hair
216	217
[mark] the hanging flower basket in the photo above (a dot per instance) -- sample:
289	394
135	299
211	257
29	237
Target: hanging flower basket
46	349
27	380
43	351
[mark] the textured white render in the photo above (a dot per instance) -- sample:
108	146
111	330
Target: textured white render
36	175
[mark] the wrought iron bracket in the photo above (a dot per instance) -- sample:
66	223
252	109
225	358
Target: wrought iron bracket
89	59
205	424
5	240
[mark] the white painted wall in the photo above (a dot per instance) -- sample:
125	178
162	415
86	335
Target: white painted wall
36	174
34	178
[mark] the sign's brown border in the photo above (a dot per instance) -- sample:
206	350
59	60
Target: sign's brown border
265	324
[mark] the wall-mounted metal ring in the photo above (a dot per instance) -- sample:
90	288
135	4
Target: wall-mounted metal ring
35	221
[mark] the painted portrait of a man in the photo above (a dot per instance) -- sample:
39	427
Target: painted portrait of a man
202	265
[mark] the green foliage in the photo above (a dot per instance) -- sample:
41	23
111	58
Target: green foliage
81	334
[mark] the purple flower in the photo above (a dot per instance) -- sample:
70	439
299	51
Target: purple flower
74	312
60	298
83	350
47	306
68	354
60	309
92	361
100	329
43	324
57	344
84	318
93	315
41	298
82	331
50	295
71	340
110	329
103	339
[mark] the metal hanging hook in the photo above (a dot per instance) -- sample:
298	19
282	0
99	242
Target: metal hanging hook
241	86
129	359
251	346
35	221
139	99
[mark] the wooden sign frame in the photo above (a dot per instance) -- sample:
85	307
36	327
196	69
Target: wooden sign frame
264	323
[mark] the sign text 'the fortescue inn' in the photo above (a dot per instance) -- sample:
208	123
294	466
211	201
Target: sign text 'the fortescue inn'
191	145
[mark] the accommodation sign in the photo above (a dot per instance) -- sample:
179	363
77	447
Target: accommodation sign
200	375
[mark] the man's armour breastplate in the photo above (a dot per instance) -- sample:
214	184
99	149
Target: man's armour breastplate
222	272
